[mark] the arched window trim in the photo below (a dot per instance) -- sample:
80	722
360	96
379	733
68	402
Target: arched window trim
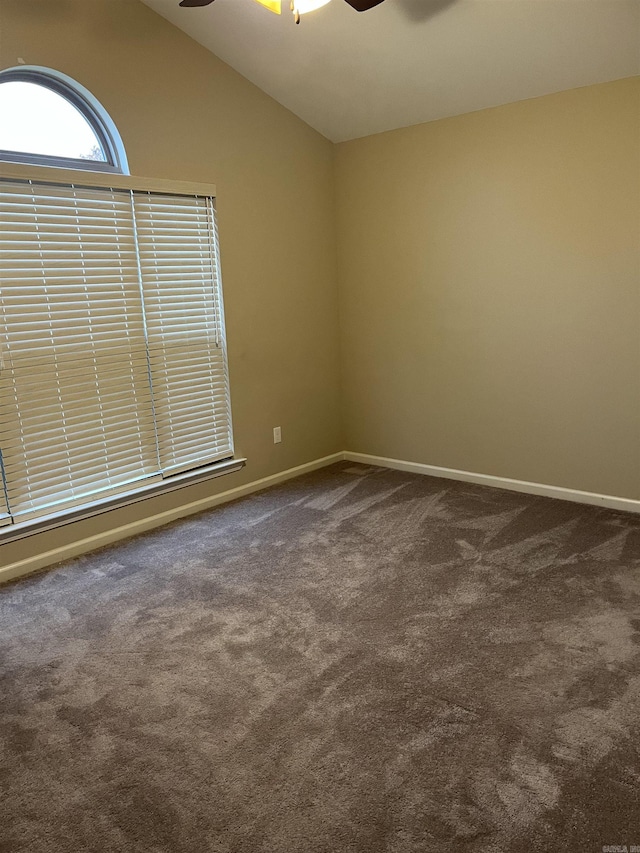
88	106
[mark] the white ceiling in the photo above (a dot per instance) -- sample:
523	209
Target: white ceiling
350	74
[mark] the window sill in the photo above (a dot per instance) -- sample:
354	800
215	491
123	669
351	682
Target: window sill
13	532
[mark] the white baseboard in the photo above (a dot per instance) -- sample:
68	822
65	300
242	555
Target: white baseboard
82	546
626	504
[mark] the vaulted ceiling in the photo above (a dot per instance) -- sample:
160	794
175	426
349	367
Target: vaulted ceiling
350	74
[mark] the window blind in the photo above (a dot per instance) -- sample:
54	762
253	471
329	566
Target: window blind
185	333
113	371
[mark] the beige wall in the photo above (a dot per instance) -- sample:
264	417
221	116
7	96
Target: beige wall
490	290
183	114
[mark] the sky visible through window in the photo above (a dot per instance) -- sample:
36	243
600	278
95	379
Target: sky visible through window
35	120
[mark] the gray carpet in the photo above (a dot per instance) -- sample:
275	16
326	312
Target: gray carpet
357	661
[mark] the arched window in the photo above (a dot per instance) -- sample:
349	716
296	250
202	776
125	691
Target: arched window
114	382
50	120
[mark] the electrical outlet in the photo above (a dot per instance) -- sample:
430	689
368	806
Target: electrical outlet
277	435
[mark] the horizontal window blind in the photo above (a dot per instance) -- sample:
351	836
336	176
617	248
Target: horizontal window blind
184	328
113	367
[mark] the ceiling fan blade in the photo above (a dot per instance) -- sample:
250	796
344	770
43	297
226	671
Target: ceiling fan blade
363	5
194	3
272	5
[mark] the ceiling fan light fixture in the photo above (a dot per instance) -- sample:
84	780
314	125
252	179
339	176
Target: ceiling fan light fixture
304	6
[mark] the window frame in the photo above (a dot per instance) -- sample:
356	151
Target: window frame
84	178
89	108
24	166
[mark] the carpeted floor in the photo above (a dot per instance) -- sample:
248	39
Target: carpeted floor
358	661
